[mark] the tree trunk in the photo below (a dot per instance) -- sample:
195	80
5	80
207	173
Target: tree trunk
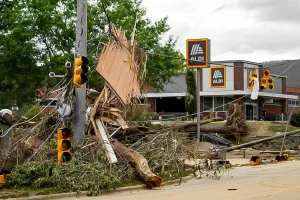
194	124
206	129
261	140
140	164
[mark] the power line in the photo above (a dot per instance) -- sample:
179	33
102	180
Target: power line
214	63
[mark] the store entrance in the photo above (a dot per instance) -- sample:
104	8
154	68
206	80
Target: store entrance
251	112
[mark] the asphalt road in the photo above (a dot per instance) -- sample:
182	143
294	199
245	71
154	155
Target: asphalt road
268	182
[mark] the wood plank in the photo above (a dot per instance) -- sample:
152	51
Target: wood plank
108	148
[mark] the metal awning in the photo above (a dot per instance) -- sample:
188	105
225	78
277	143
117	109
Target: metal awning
161	94
223	93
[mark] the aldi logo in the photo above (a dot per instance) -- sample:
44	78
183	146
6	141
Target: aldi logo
217	74
196	50
218	77
197	53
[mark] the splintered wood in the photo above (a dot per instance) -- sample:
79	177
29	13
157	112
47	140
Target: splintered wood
122	66
140	164
101	114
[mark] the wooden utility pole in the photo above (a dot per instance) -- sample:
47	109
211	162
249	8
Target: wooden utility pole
80	93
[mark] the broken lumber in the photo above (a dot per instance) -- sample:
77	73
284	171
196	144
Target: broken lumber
140	164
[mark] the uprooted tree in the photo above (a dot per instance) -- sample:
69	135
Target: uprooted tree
236	120
235	124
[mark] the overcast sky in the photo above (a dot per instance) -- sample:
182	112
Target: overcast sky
253	30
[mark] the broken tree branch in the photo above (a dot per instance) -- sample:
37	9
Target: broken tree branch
140	164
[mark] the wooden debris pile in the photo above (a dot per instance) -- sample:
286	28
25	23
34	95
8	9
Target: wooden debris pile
122	65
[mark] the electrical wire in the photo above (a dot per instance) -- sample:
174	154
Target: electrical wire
210	62
17	124
286	69
45	96
289	119
42	145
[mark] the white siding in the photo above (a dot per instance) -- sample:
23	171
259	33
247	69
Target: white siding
229	79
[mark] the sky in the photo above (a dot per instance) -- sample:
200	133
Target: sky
252	30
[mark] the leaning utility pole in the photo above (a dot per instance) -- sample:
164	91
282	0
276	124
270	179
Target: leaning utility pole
80	93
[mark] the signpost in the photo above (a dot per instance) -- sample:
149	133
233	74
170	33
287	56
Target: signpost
198	56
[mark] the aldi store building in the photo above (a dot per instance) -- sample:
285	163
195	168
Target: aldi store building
225	82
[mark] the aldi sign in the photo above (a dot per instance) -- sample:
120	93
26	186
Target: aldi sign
198	53
218	77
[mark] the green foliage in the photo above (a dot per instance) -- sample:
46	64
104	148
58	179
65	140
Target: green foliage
142	116
33	111
295	119
37	37
191	98
78	175
29	174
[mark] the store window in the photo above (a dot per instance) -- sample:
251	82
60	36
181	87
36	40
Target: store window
208	103
227	101
219	103
273	102
293	103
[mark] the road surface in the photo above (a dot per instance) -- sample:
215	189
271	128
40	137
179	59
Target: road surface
268	182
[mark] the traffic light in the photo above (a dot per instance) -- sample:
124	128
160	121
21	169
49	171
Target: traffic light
80	71
251	80
270	81
263	83
267	81
63	145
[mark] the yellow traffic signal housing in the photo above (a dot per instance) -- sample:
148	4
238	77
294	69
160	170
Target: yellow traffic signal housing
267	81
251	80
80	71
270	81
63	145
263	83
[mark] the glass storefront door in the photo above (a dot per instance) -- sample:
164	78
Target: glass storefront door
251	111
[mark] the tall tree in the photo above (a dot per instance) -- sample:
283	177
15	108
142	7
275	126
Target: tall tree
191	97
38	36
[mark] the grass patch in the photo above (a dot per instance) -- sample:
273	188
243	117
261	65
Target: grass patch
28	191
282	128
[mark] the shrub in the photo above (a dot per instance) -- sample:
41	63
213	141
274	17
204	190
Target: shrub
77	175
32	111
143	116
295	119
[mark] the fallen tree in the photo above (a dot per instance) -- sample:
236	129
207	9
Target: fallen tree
183	128
261	140
139	163
236	120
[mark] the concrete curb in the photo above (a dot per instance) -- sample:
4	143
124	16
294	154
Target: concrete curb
84	193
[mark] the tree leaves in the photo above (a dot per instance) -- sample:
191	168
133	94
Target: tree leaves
38	36
190	99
